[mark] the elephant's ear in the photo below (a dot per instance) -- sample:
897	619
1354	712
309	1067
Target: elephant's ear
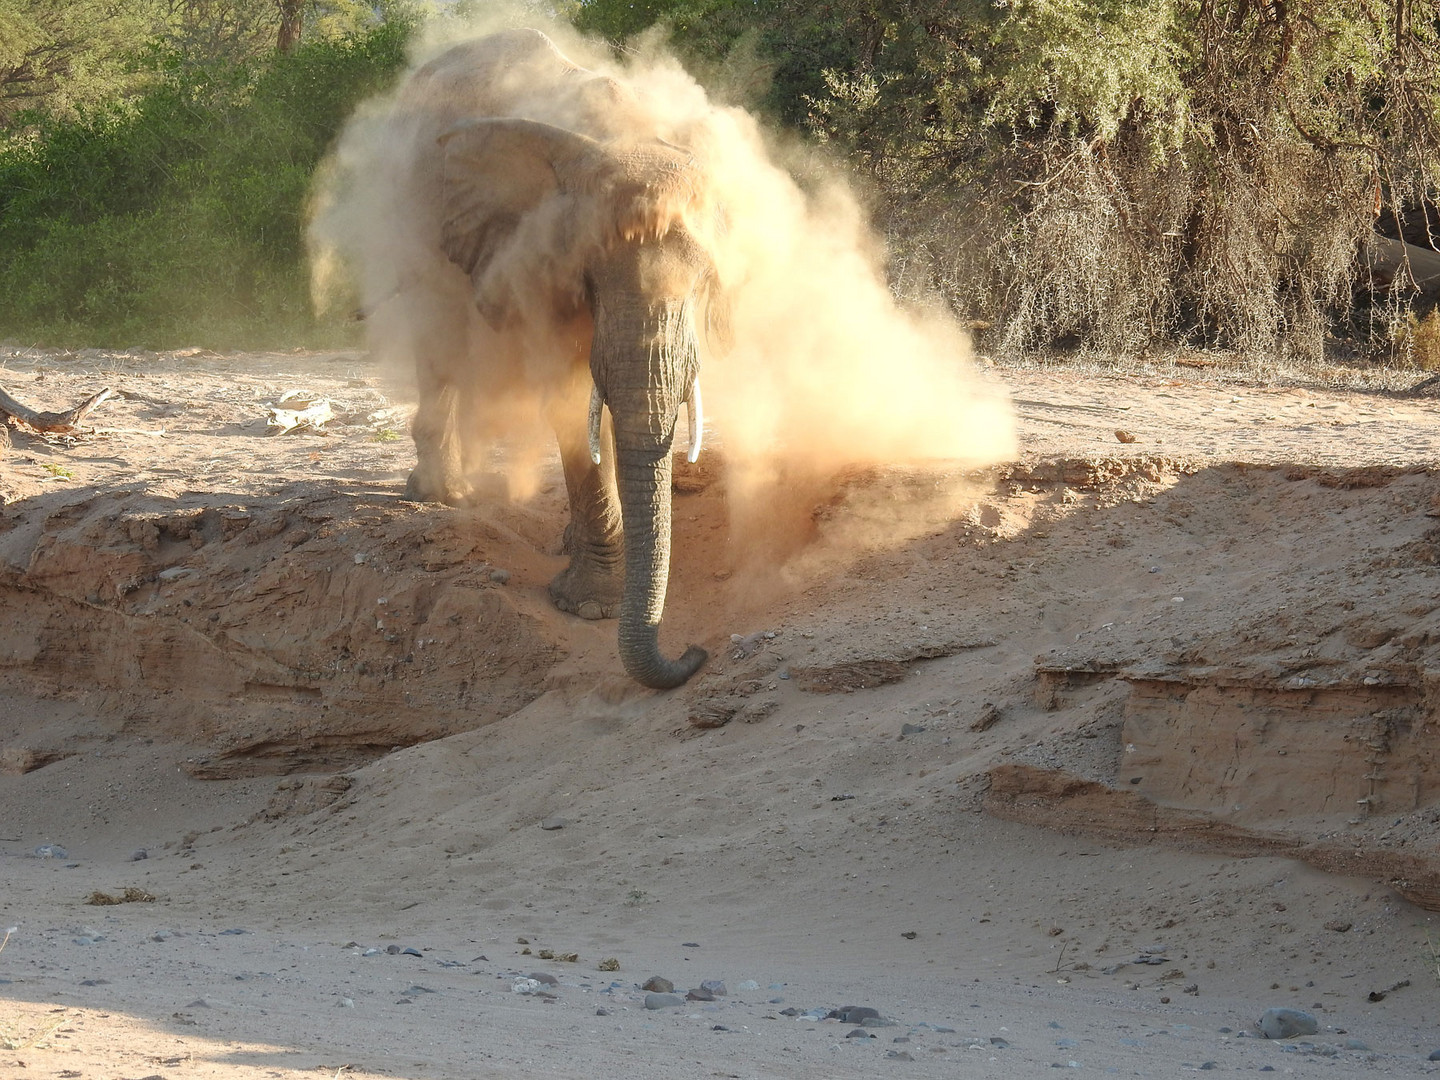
495	175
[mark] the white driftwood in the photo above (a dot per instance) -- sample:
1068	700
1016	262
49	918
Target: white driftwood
309	414
55	422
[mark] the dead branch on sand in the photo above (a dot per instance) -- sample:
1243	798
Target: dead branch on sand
57	422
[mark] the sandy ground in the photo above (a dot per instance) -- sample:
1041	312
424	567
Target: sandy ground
1085	762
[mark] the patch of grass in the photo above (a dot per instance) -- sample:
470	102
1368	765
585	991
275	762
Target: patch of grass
385	435
58	470
1420	341
131	895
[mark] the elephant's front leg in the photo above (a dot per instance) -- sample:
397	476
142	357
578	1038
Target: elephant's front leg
439	473
591	586
430	325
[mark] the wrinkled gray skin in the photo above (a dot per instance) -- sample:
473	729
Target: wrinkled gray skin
544	247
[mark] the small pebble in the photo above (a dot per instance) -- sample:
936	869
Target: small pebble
714	986
859	1033
139	854
658	984
1434	1055
747	985
899	1055
51	851
912	729
550	824
500	577
663	1001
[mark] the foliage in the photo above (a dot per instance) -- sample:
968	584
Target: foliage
58	57
176	217
1112	173
1419	342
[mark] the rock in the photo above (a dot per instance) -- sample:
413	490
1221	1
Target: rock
545	978
602	1012
1340	926
1287	1024
500	577
51	851
899	1055
1356	1044
1121	435
859	1033
714	986
663	1001
658	985
999	1043
854	1014
137	855
699	994
610	963
550	824
345	1003
791	1011
912	729
747	986
988	718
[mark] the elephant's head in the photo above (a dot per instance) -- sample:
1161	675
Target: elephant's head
547	222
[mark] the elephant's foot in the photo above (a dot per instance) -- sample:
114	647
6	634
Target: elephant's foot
589	588
427	486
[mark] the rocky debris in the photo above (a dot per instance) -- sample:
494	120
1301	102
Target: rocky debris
663	1001
1286	1024
989	716
744	646
658	984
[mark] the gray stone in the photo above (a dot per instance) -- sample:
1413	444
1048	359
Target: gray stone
1356	1044
714	986
859	1033
663	1001
550	824
658	985
855	1014
545	978
1287	1023
1434	1055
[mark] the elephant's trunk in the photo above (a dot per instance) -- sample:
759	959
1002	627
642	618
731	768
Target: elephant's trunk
645	398
644	482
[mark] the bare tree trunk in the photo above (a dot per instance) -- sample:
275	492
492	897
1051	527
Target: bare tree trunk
289	35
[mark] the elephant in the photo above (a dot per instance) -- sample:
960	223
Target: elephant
537	232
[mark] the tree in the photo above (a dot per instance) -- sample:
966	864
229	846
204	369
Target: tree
1115	172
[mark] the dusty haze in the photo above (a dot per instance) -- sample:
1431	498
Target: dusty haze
822	371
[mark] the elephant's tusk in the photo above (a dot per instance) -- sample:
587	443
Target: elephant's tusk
697	422
596	402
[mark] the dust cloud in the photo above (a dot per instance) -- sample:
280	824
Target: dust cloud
820	372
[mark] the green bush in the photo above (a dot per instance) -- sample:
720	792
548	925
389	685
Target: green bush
177	218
